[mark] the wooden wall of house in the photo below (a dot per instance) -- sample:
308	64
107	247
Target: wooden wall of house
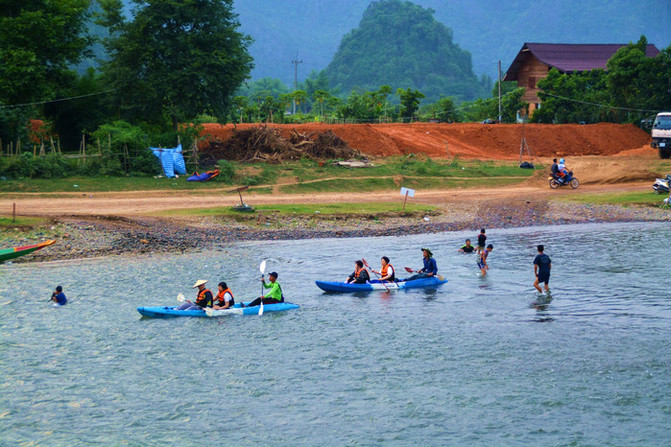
531	71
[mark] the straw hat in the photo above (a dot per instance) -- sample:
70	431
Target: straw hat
427	251
200	282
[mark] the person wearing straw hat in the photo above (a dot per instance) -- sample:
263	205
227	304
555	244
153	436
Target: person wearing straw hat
203	299
430	267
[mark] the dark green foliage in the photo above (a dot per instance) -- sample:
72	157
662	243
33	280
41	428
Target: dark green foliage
368	106
175	59
125	149
401	44
409	102
226	171
39	40
72	118
28	166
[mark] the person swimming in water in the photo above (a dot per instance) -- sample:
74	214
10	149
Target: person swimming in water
467	248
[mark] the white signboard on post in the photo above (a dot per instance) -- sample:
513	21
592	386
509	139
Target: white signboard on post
407	192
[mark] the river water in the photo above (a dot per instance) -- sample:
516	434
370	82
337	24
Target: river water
480	361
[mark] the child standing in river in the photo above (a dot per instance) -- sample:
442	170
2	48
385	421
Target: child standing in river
481	241
482	259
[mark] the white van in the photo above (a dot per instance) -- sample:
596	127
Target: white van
661	134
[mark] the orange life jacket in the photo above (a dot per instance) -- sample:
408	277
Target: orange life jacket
201	300
384	270
356	275
220	297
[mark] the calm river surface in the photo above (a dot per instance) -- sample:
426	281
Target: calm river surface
480	361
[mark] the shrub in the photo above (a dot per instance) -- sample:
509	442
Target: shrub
226	171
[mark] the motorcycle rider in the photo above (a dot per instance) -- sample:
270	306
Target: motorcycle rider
554	169
563	171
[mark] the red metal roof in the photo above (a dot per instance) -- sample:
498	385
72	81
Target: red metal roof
568	57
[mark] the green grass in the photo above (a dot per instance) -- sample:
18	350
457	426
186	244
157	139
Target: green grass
419	172
6	222
622	198
371	208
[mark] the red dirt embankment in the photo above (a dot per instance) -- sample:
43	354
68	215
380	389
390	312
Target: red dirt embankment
480	141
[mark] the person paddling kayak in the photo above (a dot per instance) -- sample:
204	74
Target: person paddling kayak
386	272
430	267
59	297
274	296
224	298
360	274
203	299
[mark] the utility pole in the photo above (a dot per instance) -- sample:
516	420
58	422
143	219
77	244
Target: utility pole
499	91
295	62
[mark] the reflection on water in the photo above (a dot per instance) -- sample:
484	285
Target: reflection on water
461	364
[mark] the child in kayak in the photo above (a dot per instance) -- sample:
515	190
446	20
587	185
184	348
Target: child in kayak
360	274
224	298
386	272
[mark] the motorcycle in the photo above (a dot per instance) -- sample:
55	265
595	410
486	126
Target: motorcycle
661	185
556	182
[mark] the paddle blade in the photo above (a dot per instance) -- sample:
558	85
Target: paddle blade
262	267
408	269
181	298
261	308
209	311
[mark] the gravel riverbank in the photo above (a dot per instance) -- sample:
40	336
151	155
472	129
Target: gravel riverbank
85	237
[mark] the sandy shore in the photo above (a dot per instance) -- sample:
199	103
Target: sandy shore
87	236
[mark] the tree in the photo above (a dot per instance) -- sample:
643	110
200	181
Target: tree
409	102
175	58
321	96
39	41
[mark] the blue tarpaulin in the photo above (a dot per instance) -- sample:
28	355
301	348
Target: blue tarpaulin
171	160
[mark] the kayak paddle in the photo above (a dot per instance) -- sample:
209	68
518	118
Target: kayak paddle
262	269
180	298
378	276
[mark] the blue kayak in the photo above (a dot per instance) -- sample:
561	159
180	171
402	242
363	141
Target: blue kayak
172	312
332	286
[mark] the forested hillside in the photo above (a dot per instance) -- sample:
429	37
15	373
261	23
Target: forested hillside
400	44
310	31
490	30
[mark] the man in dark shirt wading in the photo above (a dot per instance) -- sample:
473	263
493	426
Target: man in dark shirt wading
542	266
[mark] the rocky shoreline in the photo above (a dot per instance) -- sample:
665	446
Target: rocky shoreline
92	236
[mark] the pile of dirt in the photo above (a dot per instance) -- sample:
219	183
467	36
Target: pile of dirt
268	144
467	140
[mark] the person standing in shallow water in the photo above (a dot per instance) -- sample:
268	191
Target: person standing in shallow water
482	259
482	238
542	266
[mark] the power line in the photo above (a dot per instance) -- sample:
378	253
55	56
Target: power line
600	105
27	104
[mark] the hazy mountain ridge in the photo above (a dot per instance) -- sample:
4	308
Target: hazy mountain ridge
311	31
